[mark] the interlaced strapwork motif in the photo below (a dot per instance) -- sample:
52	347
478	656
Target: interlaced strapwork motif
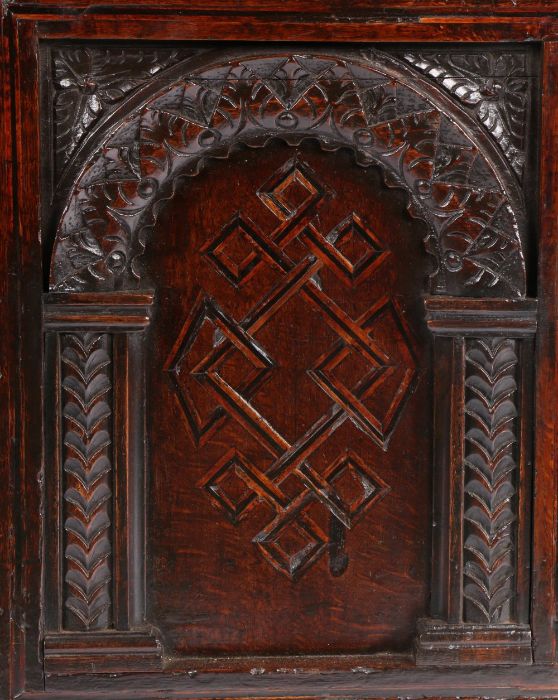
372	403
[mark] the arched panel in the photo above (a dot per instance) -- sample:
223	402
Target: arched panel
288	307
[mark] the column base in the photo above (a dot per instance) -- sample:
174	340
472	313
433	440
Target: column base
68	653
440	643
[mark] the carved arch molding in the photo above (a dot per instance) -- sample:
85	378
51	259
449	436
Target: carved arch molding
457	179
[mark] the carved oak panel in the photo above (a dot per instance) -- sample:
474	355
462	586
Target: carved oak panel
287	376
290	211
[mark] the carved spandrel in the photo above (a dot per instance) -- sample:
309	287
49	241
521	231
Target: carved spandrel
87	438
494	85
89	82
366	103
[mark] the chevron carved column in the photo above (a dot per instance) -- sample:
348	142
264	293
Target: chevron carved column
479	610
490	480
88	491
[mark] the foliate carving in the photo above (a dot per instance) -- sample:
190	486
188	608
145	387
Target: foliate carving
86	387
369	104
348	487
494	85
90	82
490	475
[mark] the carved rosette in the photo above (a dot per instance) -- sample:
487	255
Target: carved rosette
490	474
87	437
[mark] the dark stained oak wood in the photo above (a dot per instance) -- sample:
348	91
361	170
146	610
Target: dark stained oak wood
278	366
445	315
28	466
204	27
8	371
127	311
342	8
120	189
544	574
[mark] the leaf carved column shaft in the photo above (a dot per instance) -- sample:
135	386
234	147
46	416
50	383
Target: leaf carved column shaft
87	414
480	611
490	473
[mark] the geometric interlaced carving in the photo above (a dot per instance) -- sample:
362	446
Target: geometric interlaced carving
292	541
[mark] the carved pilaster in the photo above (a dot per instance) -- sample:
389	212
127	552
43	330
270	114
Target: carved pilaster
94	593
481	483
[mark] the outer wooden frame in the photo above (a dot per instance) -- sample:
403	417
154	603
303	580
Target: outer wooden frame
21	289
